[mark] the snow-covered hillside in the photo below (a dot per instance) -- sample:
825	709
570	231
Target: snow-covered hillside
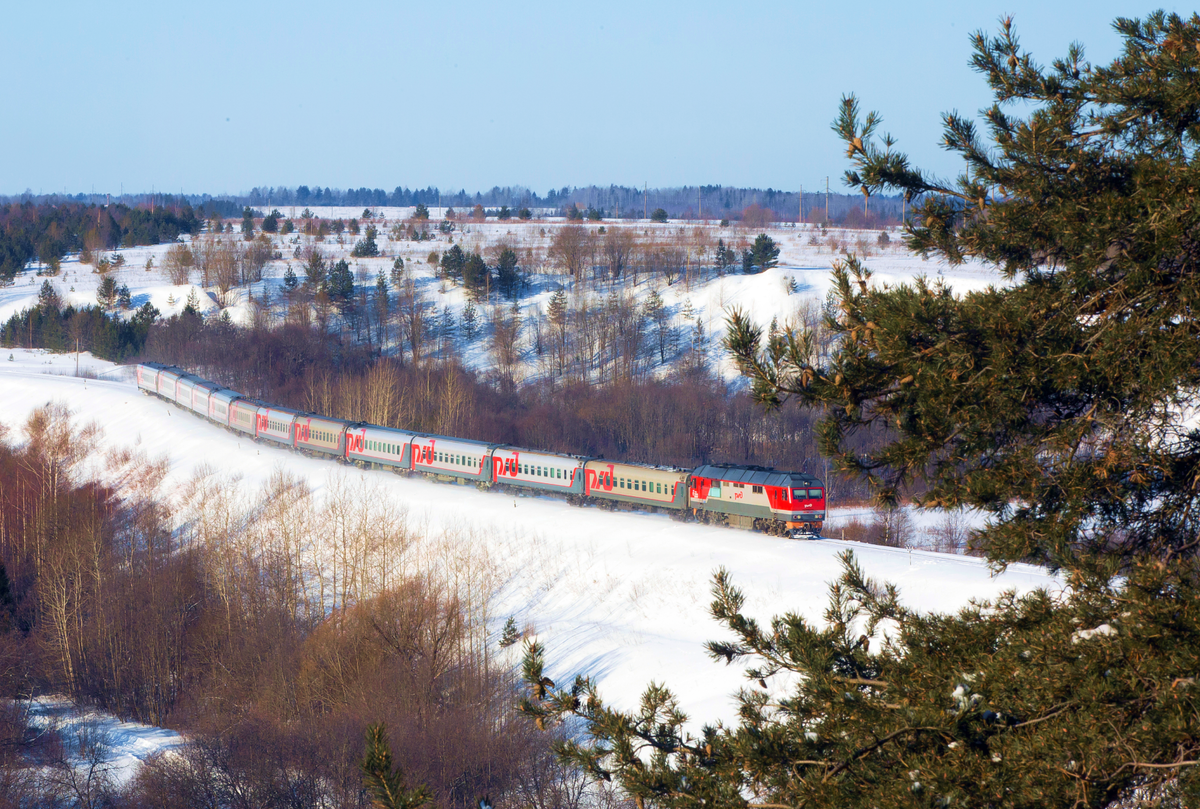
801	280
620	596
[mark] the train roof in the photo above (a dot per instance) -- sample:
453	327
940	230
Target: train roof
281	409
755	475
304	414
226	394
449	439
366	425
550	453
636	465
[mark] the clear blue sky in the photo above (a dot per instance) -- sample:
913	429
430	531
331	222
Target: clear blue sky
219	97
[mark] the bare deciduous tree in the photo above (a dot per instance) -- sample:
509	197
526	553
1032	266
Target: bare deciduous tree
569	249
178	264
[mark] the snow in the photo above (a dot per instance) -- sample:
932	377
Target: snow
805	259
1102	631
622	597
122	745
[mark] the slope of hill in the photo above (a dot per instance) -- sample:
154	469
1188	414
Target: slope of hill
620	596
695	300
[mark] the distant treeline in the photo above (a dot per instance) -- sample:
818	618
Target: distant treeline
626	202
47	231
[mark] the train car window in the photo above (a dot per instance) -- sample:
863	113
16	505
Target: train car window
814	494
758	490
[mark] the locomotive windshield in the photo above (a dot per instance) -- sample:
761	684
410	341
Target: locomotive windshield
806	494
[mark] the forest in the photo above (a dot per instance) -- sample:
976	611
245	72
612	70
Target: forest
206	609
45	233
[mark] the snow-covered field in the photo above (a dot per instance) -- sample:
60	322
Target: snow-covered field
622	597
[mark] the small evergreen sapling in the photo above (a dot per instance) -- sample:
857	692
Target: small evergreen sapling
511	634
384	780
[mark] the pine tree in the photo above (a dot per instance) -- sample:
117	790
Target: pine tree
476	276
470	321
556	310
508	277
48	297
290	281
247	224
106	292
723	257
764	252
397	274
366	247
447	328
124	297
656	312
1053	403
384	780
452	263
314	269
508	637
340	285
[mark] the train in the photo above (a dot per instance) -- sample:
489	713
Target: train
788	504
